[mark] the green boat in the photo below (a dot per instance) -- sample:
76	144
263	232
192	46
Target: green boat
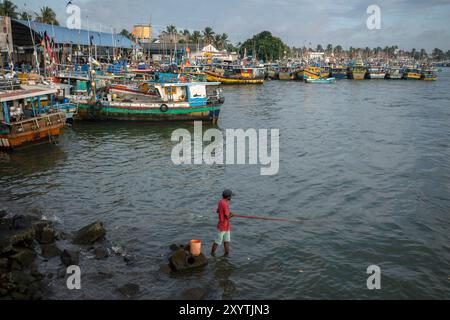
321	80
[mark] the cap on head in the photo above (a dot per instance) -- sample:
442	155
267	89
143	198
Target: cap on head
227	193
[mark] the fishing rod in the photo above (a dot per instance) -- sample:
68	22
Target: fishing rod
269	219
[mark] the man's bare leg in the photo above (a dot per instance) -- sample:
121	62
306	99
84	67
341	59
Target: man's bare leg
226	245
214	249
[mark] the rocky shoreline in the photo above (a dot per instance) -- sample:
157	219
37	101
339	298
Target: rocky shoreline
26	239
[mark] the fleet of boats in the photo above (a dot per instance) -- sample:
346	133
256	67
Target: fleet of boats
35	108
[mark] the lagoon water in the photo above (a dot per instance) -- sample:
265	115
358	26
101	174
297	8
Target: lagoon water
367	163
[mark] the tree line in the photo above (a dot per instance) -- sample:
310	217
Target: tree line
46	14
204	37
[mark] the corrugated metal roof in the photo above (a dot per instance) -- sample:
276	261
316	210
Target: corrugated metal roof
63	35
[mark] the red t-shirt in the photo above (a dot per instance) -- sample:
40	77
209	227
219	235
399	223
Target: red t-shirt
224	216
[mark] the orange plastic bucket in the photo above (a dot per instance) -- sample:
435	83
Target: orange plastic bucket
196	247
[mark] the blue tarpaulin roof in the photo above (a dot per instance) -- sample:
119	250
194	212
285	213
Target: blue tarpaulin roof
61	35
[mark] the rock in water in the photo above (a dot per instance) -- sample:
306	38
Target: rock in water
45	232
129	290
50	251
90	234
3	213
194	294
70	257
101	253
182	260
23	258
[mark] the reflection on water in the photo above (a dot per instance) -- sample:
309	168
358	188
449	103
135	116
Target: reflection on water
223	271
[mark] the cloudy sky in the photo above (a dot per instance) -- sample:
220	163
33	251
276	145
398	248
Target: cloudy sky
407	23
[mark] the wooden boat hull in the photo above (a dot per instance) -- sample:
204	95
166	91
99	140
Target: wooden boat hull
272	74
394	76
339	75
321	81
212	77
30	131
131	112
412	76
357	75
380	75
309	73
286	76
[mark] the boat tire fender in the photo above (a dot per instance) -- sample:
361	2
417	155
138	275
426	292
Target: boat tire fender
164	108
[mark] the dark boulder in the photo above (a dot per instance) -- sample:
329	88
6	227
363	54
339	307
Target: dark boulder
129	259
3	213
194	294
129	290
69	257
23	258
182	260
47	235
90	234
10	238
50	251
101	253
20	222
165	268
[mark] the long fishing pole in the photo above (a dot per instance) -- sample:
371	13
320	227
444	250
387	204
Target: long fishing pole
269	219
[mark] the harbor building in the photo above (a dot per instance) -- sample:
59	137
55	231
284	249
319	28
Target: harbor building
67	45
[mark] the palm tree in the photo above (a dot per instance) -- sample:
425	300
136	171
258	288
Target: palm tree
218	41
25	16
367	52
329	48
423	54
8	9
171	30
224	39
350	51
437	54
208	35
195	37
319	48
47	16
338	50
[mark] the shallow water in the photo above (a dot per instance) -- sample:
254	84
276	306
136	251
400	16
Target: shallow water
366	162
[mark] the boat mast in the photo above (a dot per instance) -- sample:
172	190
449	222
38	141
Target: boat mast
34	45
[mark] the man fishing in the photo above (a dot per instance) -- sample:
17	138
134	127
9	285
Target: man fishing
223	226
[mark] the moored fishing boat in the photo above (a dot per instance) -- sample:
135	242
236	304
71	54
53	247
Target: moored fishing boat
411	73
236	75
324	72
321	81
173	102
24	118
338	72
143	89
357	71
428	75
309	72
273	72
394	73
375	72
286	73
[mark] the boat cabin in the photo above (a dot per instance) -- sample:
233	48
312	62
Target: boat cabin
197	94
27	115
